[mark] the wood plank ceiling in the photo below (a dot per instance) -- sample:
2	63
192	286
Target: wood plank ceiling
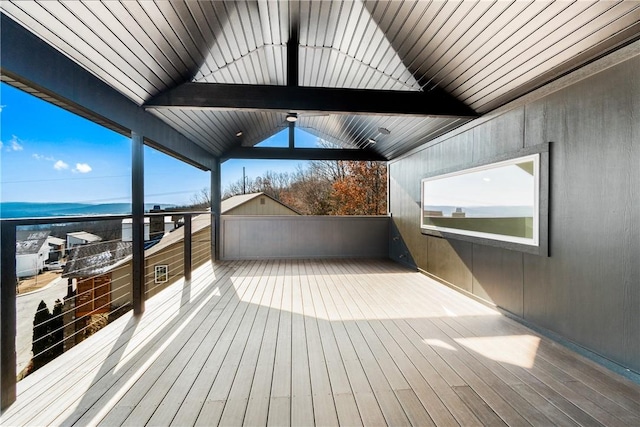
484	54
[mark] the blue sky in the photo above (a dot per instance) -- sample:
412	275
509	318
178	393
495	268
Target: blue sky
48	154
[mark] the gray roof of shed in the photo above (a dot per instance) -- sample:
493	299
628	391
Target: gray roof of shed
96	258
30	242
85	235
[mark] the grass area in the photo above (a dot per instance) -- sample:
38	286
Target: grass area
36	282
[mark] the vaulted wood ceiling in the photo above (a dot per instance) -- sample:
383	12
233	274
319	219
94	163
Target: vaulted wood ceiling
462	59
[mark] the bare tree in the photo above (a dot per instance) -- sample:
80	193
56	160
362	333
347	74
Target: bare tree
202	199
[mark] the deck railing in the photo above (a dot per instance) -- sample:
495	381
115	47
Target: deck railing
101	286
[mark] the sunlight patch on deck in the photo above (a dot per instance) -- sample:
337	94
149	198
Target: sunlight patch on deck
136	375
517	350
439	343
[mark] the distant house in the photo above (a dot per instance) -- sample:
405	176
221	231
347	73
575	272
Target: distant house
31	252
92	267
107	265
255	204
81	238
167	224
103	270
164	261
56	248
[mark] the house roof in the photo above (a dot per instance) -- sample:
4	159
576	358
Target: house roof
198	222
84	235
55	241
233	202
96	258
102	257
30	242
205	68
168	219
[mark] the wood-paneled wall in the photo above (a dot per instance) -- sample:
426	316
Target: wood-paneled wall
588	289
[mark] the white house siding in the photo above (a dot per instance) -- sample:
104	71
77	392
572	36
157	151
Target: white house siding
30	264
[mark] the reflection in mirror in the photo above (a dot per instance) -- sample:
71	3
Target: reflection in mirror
497	201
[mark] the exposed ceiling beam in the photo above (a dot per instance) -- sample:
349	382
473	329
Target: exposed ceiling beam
434	103
272	153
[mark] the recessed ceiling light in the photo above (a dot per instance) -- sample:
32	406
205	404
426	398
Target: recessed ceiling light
292	117
239	133
384	131
371	141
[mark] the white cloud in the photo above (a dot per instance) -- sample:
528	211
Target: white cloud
1	145
82	168
60	165
2	107
15	144
42	157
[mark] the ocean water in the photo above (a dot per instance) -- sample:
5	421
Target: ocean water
38	210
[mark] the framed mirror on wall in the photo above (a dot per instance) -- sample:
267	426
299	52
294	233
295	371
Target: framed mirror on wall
501	203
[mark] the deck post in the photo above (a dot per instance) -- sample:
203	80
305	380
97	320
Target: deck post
216	197
137	226
7	315
187	247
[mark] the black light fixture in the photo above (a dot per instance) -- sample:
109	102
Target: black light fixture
384	131
292	117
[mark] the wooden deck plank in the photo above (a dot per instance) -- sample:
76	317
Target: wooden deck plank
259	396
144	409
323	342
163	372
593	404
106	389
227	373
220	339
237	401
302	410
357	383
454	405
365	365
556	407
324	407
100	354
495	375
346	408
480	408
465	367
432	403
280	397
437	411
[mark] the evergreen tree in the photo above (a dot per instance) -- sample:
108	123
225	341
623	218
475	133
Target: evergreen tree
57	330
48	334
40	335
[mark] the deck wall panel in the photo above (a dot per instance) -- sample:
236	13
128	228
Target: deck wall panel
588	289
299	237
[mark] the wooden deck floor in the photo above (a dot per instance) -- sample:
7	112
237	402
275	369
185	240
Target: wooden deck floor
324	343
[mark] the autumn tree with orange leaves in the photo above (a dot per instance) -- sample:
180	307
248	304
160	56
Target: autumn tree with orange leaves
325	188
362	191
